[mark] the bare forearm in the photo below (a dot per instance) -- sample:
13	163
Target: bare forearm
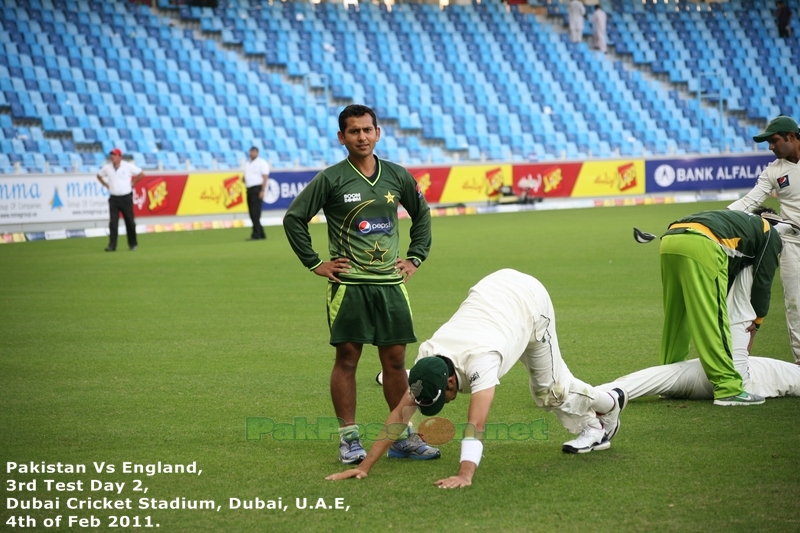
376	451
467	469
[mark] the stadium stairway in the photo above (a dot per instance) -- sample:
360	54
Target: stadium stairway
729	50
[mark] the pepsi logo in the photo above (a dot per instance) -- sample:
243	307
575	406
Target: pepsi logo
364	226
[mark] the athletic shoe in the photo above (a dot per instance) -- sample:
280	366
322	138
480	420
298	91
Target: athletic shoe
610	420
589	439
413	448
744	398
642	237
132	248
110	249
351	452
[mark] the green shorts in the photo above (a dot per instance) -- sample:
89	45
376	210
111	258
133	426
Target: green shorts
370	314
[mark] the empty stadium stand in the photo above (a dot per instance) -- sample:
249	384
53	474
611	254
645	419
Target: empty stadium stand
180	85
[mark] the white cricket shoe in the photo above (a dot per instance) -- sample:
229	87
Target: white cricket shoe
589	439
610	420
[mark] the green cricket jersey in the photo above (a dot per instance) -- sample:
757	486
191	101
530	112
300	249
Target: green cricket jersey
748	240
362	220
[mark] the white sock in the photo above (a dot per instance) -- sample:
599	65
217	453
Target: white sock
604	402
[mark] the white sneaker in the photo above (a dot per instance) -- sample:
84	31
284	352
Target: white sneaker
589	439
610	420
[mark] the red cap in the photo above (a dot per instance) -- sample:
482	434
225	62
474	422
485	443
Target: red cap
115	151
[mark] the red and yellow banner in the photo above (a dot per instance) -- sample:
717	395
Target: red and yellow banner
546	180
480	183
217	192
158	195
462	184
610	178
431	181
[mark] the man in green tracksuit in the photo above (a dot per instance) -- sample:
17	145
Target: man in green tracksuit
700	256
367	298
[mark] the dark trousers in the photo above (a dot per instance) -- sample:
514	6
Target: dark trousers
124	205
254	206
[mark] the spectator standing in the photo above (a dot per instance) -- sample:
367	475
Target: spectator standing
599	21
119	177
576	12
256	175
784	16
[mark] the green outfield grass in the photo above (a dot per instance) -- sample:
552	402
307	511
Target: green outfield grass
162	354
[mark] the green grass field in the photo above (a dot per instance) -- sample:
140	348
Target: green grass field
163	354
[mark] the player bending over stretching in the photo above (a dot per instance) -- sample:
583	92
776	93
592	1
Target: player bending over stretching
765	377
507	317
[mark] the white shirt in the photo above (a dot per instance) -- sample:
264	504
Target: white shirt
254	172
119	179
576	12
491	329
783	177
599	20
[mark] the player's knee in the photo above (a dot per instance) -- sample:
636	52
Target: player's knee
347	358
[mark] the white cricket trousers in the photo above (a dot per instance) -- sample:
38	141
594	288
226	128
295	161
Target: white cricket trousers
790	277
766	377
552	385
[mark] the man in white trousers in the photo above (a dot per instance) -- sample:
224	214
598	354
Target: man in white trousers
599	26
507	317
782	177
769	378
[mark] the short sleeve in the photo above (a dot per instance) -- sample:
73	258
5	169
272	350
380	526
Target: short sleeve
483	373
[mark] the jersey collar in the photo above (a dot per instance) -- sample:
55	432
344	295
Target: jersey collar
375	176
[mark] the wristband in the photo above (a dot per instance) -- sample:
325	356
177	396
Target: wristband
471	450
416	262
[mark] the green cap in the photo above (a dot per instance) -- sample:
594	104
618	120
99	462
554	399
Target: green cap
428	383
781	124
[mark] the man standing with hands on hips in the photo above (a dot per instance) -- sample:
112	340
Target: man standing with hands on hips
119	177
366	294
256	174
782	177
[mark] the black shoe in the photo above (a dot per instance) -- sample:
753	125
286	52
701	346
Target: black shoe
132	248
110	249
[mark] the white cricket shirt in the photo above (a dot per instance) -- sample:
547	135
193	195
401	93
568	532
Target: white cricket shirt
119	179
783	177
254	171
492	328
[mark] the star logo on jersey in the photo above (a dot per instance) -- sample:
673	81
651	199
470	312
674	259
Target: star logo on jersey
376	254
389	197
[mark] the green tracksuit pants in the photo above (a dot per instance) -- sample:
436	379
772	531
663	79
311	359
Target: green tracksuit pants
694	277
